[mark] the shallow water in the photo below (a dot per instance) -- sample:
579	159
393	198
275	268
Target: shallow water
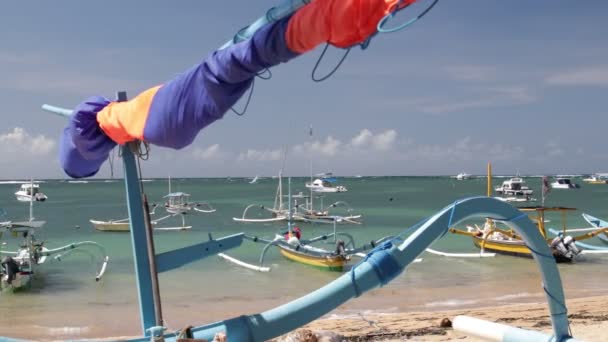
66	302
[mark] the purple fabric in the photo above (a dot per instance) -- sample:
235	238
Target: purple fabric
201	95
72	162
84	146
183	106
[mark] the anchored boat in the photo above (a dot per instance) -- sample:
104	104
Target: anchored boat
493	236
30	192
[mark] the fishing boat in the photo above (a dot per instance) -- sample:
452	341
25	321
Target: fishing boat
597	223
278	212
379	267
515	186
123	225
598	178
325	184
564	183
30	191
463	176
111	225
302	210
493	236
293	247
19	267
305	211
179	203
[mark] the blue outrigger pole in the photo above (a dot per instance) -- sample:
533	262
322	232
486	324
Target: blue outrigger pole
378	268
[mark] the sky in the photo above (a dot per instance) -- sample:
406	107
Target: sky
522	84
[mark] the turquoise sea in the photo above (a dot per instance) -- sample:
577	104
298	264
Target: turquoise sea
65	302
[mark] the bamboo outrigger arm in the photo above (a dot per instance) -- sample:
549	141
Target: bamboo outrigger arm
384	264
73	247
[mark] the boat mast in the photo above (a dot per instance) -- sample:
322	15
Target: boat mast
31	200
311	208
489	190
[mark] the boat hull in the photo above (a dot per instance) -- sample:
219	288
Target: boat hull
22	280
109	226
515	248
329	263
28	198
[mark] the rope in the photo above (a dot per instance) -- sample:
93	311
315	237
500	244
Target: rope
386	18
383	264
314	70
248	98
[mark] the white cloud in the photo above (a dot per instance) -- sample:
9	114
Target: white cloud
211	152
382	141
330	147
26	155
591	76
20	143
260	155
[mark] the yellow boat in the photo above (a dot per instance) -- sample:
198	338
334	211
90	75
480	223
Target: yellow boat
491	238
315	257
595	179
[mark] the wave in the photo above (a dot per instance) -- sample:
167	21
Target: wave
451	303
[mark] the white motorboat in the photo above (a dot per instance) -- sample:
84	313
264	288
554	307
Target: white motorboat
463	176
515	186
564	183
325	185
30	192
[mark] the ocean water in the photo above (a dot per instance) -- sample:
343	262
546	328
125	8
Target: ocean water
65	302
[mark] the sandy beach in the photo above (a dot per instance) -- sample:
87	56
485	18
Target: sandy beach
588	321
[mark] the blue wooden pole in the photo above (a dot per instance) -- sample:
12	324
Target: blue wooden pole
143	273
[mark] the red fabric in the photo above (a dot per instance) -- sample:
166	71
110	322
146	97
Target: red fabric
341	23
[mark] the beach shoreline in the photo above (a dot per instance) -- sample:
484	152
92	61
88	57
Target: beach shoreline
588	321
588	318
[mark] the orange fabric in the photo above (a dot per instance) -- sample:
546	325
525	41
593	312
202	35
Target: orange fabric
125	121
341	23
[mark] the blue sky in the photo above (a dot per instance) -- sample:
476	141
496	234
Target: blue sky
522	84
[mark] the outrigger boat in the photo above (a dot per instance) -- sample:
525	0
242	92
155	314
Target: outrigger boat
494	238
19	267
564	248
597	223
293	247
306	211
379	267
302	210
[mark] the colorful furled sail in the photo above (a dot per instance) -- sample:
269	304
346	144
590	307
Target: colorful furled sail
172	114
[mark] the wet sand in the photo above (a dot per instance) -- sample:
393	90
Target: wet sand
588	318
588	321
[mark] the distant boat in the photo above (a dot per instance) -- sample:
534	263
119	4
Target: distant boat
321	185
514	186
30	192
111	226
596	179
463	176
564	183
254	180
